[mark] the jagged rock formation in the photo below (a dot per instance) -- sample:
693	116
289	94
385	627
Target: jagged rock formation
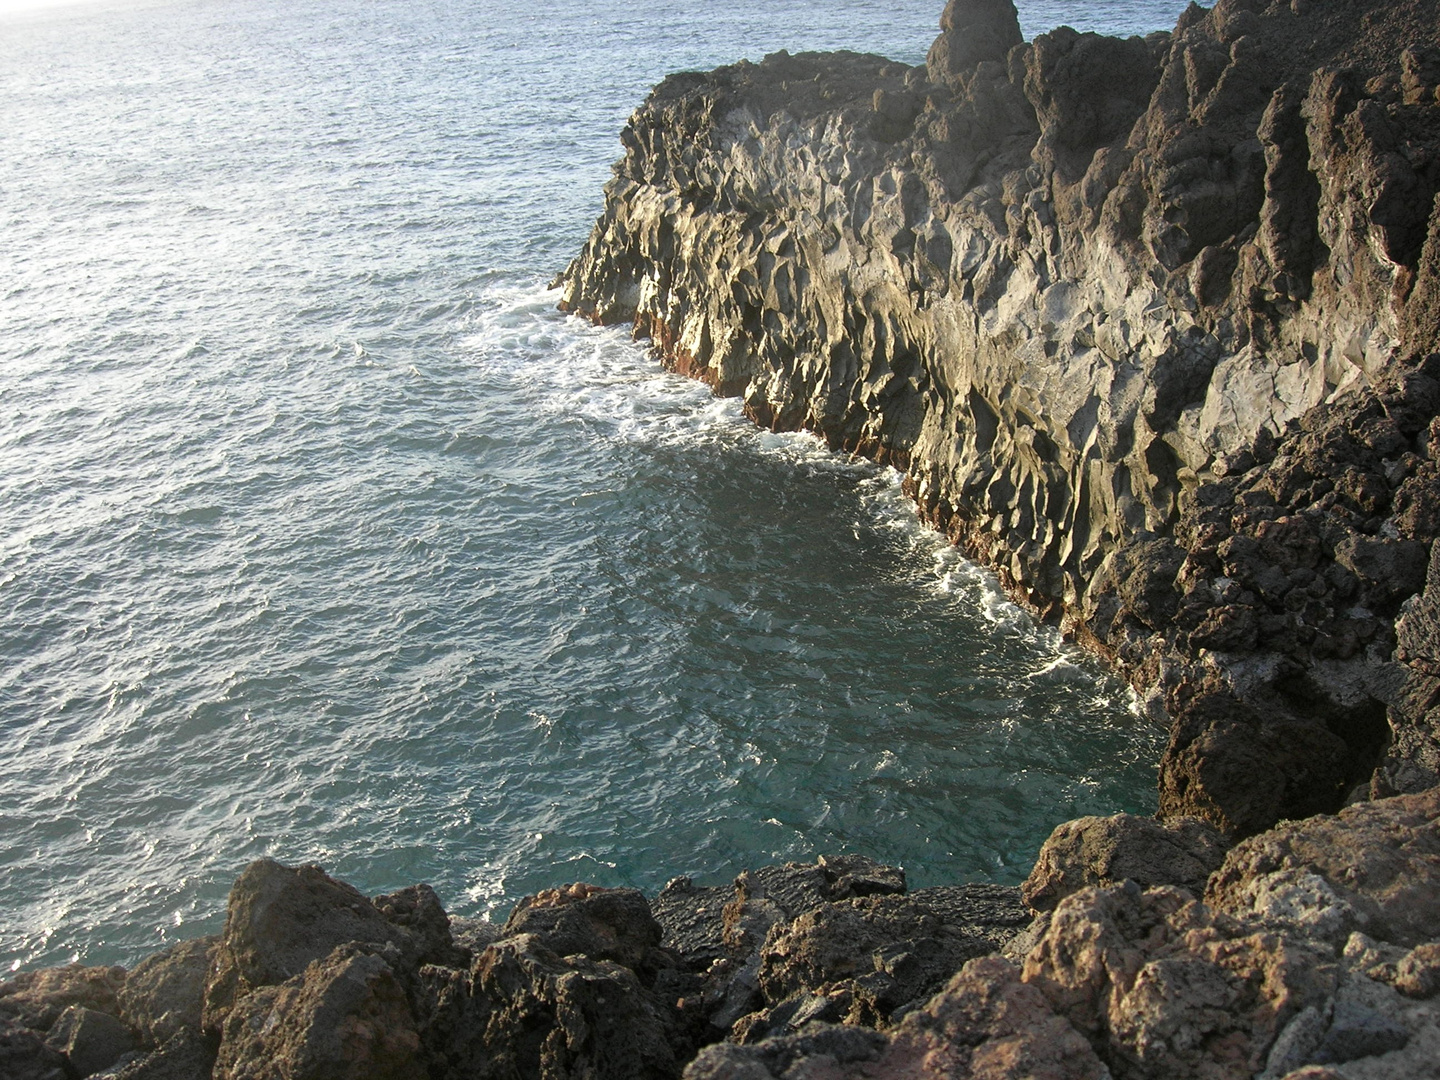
1269	976
311	979
1316	944
1152	326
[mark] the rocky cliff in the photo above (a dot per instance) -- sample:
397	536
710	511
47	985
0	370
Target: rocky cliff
1151	325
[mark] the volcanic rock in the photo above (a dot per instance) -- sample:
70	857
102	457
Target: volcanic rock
1111	850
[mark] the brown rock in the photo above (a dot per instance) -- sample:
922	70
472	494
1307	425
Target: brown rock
344	1018
1110	850
165	993
1175	990
590	921
90	1040
1374	867
972	31
988	1024
280	920
37	998
893	948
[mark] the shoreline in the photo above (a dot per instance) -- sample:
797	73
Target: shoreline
1132	331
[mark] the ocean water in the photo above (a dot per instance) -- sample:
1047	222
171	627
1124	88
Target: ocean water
324	537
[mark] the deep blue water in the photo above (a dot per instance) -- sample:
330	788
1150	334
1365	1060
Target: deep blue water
323	536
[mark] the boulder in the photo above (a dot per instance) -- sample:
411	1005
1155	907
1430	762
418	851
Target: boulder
24	1055
889	950
345	1017
1110	850
187	1055
985	1025
1172	989
165	993
692	922
590	921
972	31
90	1040
280	920
37	998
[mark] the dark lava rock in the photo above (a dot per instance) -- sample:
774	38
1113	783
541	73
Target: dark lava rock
692	922
187	1055
523	1011
90	1040
24	1055
590	921
889	950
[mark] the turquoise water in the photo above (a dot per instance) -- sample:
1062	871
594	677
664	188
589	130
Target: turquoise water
323	536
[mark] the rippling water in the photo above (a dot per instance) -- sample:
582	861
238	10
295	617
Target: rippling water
323	536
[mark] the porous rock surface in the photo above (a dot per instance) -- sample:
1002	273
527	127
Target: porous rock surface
1314	946
1151	325
311	980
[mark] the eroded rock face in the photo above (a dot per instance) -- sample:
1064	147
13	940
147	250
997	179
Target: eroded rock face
602	924
1111	850
521	1010
280	920
1149	325
1374	867
165	993
345	1016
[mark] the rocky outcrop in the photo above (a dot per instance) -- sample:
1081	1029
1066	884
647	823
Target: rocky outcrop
1315	945
1150	325
1125	847
311	979
1265	977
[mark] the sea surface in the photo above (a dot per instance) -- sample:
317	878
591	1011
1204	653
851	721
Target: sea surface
323	536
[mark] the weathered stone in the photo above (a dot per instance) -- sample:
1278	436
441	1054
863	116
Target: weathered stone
417	909
587	920
891	948
344	1018
37	998
280	920
985	1025
1374	867
1173	989
24	1055
692	922
1067	286
165	993
90	1040
1110	850
187	1055
521	1010
994	912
